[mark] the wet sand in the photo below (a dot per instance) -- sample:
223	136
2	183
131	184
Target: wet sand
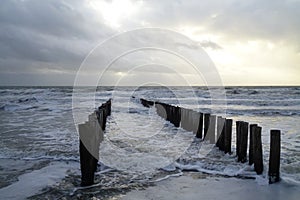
11	169
34	180
192	187
61	180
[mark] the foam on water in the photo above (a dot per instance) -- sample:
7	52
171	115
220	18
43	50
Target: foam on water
141	145
37	124
33	182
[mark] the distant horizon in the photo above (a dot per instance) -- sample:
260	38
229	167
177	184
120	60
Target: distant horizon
151	86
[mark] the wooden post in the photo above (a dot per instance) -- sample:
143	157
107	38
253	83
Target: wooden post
160	110
165	112
156	105
212	129
91	134
109	107
251	147
176	116
257	150
183	118
100	117
144	102
190	119
206	124
220	124
200	126
274	160
167	109
179	116
238	133
151	103
195	121
243	142
88	165
171	108
104	118
222	136
227	136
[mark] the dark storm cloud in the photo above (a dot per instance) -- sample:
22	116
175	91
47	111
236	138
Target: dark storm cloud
36	32
28	45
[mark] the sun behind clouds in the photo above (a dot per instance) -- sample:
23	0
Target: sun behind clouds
115	11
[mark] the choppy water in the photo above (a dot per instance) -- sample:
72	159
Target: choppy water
36	125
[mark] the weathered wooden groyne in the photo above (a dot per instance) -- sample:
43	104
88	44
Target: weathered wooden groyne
90	136
218	130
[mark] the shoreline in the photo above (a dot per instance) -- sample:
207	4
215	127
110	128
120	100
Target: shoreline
191	186
56	181
33	177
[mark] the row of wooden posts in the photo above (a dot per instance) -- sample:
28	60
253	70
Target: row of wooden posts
218	130
88	159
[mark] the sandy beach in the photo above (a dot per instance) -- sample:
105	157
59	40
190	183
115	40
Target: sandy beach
47	183
194	186
34	179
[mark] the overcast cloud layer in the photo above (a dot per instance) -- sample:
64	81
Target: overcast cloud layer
251	42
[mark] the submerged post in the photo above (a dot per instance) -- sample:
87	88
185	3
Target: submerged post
160	109
206	124
90	136
167	108
177	116
274	160
257	149
238	135
227	135
212	129
189	120
200	126
220	125
243	140
251	147
146	103
222	136
171	113
183	123
195	121
88	165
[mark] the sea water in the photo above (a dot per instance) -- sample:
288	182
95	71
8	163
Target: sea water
38	131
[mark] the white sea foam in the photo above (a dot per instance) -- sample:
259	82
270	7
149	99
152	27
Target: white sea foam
33	182
44	128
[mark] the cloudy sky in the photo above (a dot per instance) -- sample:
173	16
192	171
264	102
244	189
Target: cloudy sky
251	42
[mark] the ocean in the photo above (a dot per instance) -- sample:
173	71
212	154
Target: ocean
40	149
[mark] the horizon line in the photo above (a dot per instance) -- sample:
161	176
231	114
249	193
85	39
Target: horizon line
152	86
